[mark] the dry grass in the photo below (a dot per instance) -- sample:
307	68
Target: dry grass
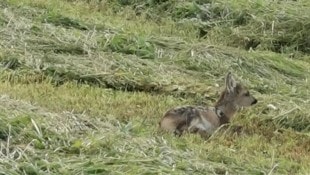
84	85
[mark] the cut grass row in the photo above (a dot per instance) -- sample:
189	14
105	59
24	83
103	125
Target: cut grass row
261	25
86	86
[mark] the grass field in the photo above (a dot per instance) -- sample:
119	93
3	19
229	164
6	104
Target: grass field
84	84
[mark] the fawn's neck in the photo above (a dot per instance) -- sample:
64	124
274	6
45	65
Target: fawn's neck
227	107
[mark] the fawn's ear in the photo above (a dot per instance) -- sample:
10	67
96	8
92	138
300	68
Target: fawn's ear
230	83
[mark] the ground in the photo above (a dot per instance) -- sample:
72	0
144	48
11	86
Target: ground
84	84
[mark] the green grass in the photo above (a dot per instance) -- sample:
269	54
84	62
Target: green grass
85	83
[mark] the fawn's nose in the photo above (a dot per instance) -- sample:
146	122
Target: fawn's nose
254	102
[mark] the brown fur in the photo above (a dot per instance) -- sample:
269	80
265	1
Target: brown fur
198	119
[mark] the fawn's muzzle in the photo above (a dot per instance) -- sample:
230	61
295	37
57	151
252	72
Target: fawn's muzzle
254	102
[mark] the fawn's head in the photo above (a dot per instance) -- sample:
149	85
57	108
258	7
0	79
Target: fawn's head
236	94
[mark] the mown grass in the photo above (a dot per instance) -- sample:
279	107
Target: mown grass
84	84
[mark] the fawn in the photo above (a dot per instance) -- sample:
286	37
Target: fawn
205	120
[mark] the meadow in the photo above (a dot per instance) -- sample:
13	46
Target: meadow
84	84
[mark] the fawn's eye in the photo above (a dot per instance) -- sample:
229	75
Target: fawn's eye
247	94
